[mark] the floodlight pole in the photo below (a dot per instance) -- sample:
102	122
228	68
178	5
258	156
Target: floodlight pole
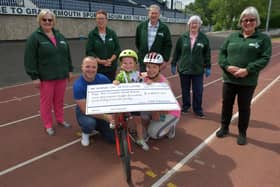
268	16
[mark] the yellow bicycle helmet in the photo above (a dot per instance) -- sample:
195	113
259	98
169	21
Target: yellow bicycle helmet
128	53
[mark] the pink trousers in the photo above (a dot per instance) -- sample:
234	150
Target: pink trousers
52	97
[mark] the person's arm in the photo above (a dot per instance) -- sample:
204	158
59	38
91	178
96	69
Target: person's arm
90	45
207	54
116	50
222	59
70	65
167	45
177	52
31	58
137	37
262	61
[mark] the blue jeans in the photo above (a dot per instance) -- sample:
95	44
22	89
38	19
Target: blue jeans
89	123
196	81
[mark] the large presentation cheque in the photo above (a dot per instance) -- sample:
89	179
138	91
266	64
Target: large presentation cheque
110	98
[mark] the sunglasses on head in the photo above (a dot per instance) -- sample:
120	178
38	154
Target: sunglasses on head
248	20
47	20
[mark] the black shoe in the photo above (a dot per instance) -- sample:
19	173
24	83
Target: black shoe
222	133
241	139
200	115
185	111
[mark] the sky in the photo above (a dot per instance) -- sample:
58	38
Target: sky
186	2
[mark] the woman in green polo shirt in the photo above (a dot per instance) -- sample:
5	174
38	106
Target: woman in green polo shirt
242	56
103	44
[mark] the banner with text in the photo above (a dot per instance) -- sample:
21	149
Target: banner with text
10	10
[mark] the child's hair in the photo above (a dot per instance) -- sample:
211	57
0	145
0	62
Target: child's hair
128	53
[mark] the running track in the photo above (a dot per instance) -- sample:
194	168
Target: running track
28	157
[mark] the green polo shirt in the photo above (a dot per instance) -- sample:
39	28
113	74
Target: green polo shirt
192	61
96	47
45	61
252	53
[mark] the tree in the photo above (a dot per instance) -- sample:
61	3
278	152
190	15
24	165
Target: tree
201	8
224	14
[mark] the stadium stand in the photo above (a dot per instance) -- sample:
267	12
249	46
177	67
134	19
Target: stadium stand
147	3
17	3
123	10
104	6
129	7
51	4
75	5
140	11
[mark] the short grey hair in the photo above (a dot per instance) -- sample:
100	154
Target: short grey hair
43	12
252	11
154	6
195	18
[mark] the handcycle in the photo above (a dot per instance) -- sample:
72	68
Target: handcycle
123	143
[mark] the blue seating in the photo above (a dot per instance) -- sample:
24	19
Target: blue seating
75	5
104	6
147	3
122	10
110	6
11	3
168	14
141	11
51	4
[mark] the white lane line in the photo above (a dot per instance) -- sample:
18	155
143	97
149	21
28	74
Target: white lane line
17	85
72	105
30	117
195	151
3	172
34	95
26	97
205	85
59	148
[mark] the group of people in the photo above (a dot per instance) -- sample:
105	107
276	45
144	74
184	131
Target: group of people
48	62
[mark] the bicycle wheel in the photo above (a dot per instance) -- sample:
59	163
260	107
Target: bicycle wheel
125	155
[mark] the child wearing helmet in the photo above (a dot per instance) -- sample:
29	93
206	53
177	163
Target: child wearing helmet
161	123
128	74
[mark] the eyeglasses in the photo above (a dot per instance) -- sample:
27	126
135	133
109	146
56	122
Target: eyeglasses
47	20
248	20
100	18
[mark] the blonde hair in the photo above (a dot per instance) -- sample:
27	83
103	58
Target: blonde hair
252	11
43	12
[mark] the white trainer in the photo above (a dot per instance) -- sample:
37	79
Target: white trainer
85	139
143	144
50	131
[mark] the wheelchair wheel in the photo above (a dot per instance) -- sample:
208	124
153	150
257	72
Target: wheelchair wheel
125	155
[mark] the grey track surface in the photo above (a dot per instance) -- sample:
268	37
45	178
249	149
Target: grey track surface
11	57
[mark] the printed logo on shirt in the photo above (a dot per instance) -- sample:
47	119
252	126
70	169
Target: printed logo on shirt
110	39
63	42
256	45
160	34
200	45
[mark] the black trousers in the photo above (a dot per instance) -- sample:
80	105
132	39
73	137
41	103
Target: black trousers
244	96
110	74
